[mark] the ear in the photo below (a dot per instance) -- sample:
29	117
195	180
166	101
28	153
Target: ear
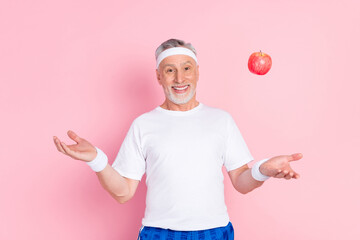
198	73
158	76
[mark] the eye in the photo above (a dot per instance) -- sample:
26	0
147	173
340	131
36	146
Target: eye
169	70
187	68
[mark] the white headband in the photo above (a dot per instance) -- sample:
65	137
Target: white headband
175	51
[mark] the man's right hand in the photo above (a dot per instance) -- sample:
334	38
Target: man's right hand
82	150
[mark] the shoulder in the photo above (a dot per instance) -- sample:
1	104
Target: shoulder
145	118
222	117
221	113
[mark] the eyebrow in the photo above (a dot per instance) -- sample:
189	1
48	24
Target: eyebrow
168	64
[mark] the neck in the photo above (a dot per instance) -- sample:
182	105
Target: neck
180	107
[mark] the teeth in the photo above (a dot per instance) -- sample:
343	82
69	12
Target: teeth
181	88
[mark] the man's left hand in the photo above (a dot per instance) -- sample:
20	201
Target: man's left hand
279	166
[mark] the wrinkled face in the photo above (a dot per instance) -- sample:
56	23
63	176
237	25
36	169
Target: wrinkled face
178	75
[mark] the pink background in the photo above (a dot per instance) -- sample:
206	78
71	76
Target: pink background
89	66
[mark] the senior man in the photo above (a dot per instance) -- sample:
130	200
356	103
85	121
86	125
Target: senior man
181	145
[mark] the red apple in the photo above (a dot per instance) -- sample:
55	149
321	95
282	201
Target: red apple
259	63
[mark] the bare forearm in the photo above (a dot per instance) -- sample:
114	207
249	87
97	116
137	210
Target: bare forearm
246	183
113	182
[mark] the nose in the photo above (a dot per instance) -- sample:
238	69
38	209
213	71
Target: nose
179	77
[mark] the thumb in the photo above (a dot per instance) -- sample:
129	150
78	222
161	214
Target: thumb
295	156
73	136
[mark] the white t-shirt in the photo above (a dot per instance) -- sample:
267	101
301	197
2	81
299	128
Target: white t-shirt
182	153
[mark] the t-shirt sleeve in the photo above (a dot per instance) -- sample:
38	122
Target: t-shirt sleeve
237	153
130	162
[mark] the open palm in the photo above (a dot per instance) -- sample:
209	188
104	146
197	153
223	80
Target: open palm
279	166
82	150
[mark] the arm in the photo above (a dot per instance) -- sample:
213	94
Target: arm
113	182
243	181
122	189
277	167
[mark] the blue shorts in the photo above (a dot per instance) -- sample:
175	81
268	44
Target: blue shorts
155	233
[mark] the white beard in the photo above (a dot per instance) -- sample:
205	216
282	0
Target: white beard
179	98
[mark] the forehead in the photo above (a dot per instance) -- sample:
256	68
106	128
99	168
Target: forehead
177	60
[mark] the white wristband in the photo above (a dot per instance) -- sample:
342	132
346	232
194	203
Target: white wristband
99	162
255	171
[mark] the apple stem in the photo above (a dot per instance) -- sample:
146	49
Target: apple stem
260	53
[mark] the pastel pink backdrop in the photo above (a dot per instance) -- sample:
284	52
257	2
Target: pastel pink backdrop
89	66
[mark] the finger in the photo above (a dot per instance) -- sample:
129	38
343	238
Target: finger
289	176
66	148
285	173
294	157
280	175
58	145
73	136
294	174
54	139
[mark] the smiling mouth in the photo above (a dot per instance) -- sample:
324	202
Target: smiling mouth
181	87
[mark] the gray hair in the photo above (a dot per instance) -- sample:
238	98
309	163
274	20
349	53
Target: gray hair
173	43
